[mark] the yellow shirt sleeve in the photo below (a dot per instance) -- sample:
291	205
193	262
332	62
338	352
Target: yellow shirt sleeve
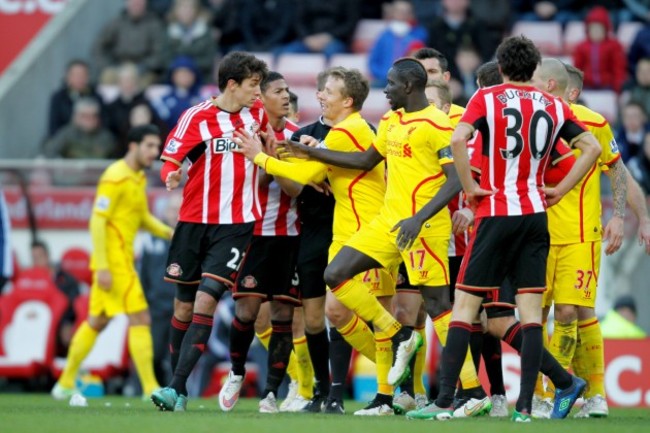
105	203
156	227
98	237
605	137
300	171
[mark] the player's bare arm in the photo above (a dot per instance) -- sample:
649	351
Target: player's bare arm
410	228
614	229
637	201
591	150
459	138
365	160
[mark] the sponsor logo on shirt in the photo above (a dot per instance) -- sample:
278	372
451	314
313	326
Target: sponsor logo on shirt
249	282
174	270
102	203
172	147
223	145
613	145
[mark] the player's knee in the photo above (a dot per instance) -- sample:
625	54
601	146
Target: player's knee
337	314
141	318
281	311
247	310
404	315
335	275
315	323
183	310
565	313
98	323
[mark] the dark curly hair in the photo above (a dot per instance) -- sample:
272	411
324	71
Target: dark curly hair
518	57
238	66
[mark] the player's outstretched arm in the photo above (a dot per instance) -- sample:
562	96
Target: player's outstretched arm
365	160
590	152
410	228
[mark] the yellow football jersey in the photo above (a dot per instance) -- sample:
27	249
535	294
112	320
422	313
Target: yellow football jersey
576	218
413	144
359	194
455	113
121	199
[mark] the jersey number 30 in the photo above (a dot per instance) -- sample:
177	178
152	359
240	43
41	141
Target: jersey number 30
537	134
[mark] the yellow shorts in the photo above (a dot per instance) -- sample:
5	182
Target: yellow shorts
125	296
426	261
572	274
380	281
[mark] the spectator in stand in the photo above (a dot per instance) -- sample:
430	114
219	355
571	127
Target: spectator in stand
265	24
495	15
323	26
75	86
639	165
638	9
189	35
183	93
640	92
67	284
620	321
395	41
601	57
6	258
84	136
226	23
467	62
640	48
455	28
562	11
159	293
135	36
118	111
631	132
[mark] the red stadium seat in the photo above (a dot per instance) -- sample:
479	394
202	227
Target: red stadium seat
604	102
301	69
546	35
352	61
28	323
574	33
76	261
627	32
366	33
109	356
34	279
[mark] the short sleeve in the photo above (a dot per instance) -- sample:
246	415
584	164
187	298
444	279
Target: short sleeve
475	112
382	131
183	138
610	152
572	129
107	197
474	150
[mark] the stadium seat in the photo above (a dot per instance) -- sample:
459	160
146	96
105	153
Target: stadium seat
375	106
627	32
574	33
604	102
109	356
267	58
301	69
546	35
352	61
28	323
34	279
308	106
76	262
366	33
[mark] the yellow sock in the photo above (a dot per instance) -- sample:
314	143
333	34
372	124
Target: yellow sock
265	338
441	326
468	377
141	351
592	356
80	346
539	385
420	361
359	335
384	361
355	295
305	370
562	346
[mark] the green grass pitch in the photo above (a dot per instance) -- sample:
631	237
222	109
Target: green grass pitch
41	414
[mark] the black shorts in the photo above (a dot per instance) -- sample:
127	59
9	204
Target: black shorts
500	303
454	268
402	284
268	270
512	247
312	261
207	250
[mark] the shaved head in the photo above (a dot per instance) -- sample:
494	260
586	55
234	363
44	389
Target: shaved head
553	69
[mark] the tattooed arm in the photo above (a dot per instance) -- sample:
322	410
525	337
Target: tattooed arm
637	201
614	230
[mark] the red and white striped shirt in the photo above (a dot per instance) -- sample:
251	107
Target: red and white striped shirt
519	126
222	185
279	210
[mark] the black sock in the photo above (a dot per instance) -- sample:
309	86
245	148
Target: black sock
476	344
407	385
550	367
319	346
191	350
531	359
280	348
452	360
241	337
491	352
176	334
340	355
